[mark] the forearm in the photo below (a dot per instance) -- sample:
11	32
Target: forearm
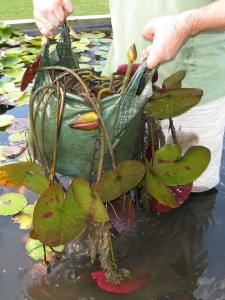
207	18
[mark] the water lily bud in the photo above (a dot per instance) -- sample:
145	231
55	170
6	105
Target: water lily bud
132	53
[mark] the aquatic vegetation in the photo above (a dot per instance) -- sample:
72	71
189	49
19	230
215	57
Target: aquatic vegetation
120	152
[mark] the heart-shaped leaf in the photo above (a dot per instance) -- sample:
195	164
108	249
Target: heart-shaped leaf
24	173
36	250
175	170
12	203
170	103
174	81
89	200
157	189
57	220
115	183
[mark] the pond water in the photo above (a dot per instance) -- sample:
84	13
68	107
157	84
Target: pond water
182	251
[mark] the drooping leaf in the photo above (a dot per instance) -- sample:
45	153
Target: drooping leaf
124	287
24	173
36	250
170	103
115	183
157	189
11	204
175	170
174	81
57	220
180	192
89	200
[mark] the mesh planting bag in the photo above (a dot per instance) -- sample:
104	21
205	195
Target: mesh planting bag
54	105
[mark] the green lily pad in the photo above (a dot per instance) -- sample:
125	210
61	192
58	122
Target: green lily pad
18	137
84	59
174	80
170	103
89	200
58	220
11	61
175	169
36	250
115	183
101	54
25	218
15	73
5	31
6	120
157	188
2	157
11	204
6	87
24	173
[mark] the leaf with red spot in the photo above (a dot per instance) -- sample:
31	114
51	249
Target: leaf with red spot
122	212
57	219
30	73
181	193
124	287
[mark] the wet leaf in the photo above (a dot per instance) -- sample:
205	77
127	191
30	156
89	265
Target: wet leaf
115	183
170	103
36	251
124	287
89	200
157	189
24	173
176	170
57	220
174	81
11	204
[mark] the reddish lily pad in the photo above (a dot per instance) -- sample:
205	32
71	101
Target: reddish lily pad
57	220
157	189
115	183
175	169
18	125
124	287
170	103
13	151
174	80
24	173
89	200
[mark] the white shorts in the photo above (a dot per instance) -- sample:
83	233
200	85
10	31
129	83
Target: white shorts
201	125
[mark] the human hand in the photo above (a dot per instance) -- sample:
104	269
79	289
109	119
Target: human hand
168	34
48	14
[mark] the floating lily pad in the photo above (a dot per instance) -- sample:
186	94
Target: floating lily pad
101	54
115	183
89	200
13	151
170	103
6	120
57	220
25	218
6	87
2	157
84	59
157	188
15	73
175	169
36	250
24	173
18	125
11	61
11	204
18	137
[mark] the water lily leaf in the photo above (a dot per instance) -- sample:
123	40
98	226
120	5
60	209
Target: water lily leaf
174	80
11	204
170	103
98	68
58	220
81	43
2	158
18	125
85	66
6	87
105	41
80	49
115	183
15	73
11	61
13	151
18	137
25	217
176	170
89	200
5	31
84	59
36	250
104	48
24	173
101	54
6	120
157	189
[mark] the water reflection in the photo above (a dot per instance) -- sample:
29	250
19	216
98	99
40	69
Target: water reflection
170	247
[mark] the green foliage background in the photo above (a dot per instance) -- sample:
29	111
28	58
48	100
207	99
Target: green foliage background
15	10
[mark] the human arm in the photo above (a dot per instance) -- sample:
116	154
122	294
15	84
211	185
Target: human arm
169	33
48	14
